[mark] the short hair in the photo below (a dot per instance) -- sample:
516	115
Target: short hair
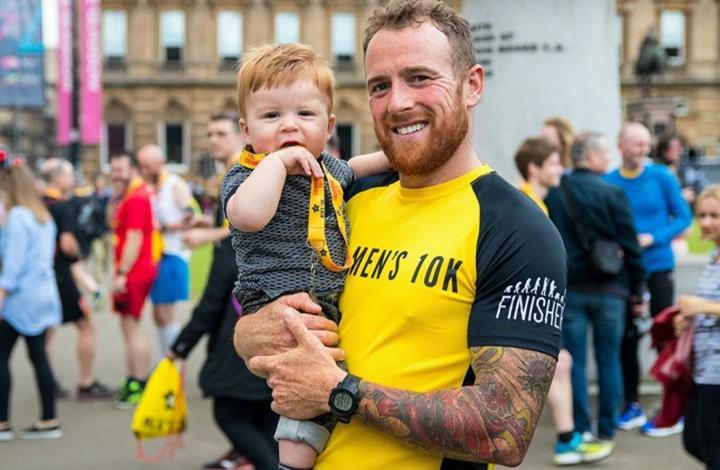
664	144
270	66
711	192
53	167
583	143
566	135
533	150
129	154
229	116
401	14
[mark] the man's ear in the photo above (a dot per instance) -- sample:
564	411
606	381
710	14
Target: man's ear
331	126
474	85
244	131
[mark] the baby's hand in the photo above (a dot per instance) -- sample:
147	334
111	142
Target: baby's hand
299	161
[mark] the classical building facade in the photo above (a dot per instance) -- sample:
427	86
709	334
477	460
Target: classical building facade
169	64
686	98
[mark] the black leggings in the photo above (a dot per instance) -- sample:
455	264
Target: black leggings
249	426
43	374
701	435
662	295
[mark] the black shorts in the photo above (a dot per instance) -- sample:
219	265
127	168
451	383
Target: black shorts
74	307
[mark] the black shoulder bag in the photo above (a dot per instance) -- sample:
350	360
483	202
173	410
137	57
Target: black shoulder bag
606	257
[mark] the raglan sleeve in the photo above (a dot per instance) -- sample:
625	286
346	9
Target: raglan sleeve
521	281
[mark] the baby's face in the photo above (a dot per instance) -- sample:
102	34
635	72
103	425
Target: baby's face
296	114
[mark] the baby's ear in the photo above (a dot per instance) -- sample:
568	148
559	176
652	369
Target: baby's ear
244	131
331	126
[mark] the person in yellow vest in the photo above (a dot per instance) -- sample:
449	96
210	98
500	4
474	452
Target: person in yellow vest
538	162
453	304
279	190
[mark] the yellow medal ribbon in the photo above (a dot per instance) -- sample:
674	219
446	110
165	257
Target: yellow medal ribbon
316	212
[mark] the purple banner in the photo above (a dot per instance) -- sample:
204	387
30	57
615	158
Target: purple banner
91	67
64	105
22	59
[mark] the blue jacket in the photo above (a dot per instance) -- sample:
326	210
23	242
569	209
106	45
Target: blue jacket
27	250
658	208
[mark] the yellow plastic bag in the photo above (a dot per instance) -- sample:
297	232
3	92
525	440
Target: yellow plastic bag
162	411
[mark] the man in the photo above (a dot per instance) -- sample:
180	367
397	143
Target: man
172	206
594	299
660	214
435	288
59	181
241	401
130	214
538	162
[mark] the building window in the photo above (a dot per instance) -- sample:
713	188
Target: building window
176	143
114	24
672	35
229	38
343	41
117	140
346	140
172	38
287	27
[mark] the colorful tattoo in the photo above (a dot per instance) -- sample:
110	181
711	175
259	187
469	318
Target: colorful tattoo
490	421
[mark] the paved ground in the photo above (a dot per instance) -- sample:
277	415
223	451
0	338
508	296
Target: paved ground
96	435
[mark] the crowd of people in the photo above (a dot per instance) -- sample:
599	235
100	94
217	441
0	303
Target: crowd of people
453	328
618	228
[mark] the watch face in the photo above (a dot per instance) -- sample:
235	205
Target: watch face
343	401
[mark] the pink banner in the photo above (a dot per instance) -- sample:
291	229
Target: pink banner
91	67
64	87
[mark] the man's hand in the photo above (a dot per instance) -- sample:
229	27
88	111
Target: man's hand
299	161
119	283
265	333
303	377
645	240
194	237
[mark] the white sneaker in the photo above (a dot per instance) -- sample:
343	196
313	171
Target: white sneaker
650	430
34	432
7	434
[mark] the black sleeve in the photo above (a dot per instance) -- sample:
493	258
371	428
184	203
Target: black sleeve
208	313
627	239
66	221
521	273
232	181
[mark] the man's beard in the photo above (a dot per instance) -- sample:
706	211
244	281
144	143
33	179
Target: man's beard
424	157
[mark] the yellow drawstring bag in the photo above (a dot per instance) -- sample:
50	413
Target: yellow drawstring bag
162	411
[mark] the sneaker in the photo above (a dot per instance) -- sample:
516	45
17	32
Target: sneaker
129	394
633	417
576	451
96	391
61	392
34	432
230	461
650	430
588	437
7	434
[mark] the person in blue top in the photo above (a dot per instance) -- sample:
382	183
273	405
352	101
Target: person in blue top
660	214
29	299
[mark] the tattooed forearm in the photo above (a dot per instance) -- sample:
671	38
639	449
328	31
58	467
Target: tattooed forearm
491	421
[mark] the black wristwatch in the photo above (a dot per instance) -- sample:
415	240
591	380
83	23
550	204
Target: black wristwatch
344	398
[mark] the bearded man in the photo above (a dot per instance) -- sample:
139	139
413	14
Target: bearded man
453	305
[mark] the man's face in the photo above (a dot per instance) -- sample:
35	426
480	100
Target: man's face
287	115
150	165
64	181
419	110
120	172
224	141
551	171
634	146
599	158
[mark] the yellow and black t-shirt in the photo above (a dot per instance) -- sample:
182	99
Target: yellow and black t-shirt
469	262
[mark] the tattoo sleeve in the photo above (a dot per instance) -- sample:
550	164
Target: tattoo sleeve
490	421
